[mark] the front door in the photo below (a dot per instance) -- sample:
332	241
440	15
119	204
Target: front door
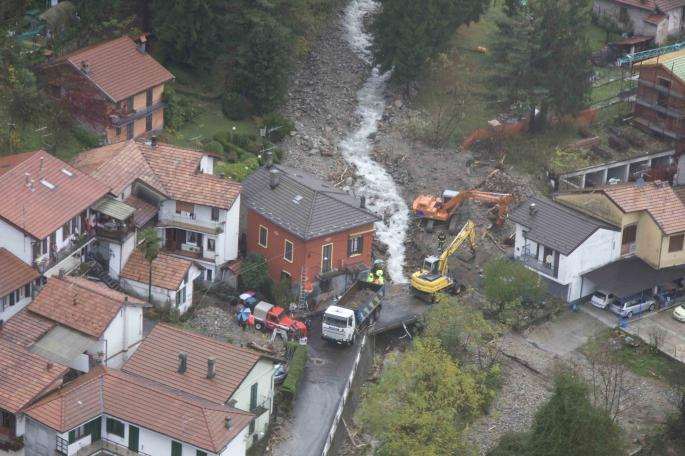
133	435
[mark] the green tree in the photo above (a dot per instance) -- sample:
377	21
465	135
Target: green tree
189	30
262	63
150	247
566	425
407	33
254	272
541	57
422	403
509	284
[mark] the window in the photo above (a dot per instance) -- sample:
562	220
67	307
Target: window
327	258
192	237
355	245
176	449
263	236
663	82
12	299
215	214
209	275
200	453
288	251
45	245
66	230
182	206
77	434
129	131
211	245
629	234
181	296
148	97
27	290
148	122
75	225
675	243
115	427
253	396
662	99
287	278
2	303
129	104
62	446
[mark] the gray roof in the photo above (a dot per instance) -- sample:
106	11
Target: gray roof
303	204
630	276
556	226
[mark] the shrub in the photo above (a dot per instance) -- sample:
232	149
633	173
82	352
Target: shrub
86	137
214	146
239	139
234	106
178	111
274	120
295	370
232	156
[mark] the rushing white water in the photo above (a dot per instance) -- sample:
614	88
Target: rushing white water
382	195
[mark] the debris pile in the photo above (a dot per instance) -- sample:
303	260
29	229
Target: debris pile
502	182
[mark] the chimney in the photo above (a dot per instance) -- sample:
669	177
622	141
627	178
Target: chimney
182	362
28	179
228	422
42	161
142	42
532	209
362	202
269	159
153	141
274	178
49	365
60	274
211	367
85	67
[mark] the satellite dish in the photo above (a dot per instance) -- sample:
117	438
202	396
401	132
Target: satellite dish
549	259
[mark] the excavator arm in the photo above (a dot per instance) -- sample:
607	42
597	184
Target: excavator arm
467	233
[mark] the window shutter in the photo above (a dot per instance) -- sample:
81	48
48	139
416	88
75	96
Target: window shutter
350	246
185	207
360	248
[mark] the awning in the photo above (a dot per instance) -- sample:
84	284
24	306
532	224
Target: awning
113	208
62	345
630	276
356	268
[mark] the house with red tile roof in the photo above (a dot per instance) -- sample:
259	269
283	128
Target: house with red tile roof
78	323
655	19
112	412
45	206
115	87
215	371
17	282
26	377
172	279
175	189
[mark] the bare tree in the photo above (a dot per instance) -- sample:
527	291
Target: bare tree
608	380
657	336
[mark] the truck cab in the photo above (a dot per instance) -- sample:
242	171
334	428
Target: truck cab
269	317
339	324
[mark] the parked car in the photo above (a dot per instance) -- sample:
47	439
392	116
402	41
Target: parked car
602	299
679	313
631	307
280	373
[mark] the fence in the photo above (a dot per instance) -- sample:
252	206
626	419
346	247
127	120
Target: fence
350	396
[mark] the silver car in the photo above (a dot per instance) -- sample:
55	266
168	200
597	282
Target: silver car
632	307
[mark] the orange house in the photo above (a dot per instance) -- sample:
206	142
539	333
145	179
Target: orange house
115	87
308	230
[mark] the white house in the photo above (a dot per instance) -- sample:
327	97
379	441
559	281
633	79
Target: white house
44	210
17	282
215	371
560	245
173	279
125	413
659	19
93	324
197	213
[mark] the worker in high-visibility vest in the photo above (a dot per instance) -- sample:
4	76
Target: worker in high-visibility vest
379	277
371	277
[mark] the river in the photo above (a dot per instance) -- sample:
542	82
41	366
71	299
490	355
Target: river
375	183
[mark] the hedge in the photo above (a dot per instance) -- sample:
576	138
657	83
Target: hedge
295	370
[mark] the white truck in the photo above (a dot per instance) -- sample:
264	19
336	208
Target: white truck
357	307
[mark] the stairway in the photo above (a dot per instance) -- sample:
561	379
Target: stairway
97	271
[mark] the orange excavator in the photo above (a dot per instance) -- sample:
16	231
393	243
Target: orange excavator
443	209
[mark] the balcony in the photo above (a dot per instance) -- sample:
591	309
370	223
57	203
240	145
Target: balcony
8	443
69	258
123	119
190	223
533	262
107	447
114	232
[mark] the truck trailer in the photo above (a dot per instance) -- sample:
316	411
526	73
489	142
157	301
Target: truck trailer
359	306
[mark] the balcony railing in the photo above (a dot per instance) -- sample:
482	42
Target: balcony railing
676	114
49	260
104	446
120	120
660	88
114	232
531	260
191	222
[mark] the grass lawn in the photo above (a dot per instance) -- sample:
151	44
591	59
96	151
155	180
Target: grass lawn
606	91
639	360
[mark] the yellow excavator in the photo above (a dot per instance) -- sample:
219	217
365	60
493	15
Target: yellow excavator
433	276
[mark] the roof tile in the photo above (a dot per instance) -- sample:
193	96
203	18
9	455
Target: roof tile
660	201
25	328
14	273
168	271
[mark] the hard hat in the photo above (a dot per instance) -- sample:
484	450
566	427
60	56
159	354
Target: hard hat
379	273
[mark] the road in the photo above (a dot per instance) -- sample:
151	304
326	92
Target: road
328	367
326	372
